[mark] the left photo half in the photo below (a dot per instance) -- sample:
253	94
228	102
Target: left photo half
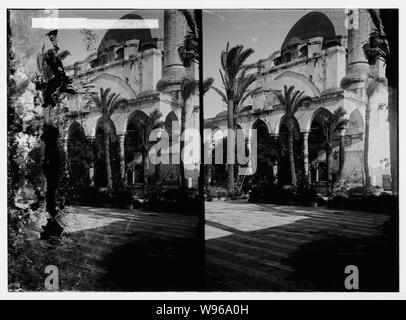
104	121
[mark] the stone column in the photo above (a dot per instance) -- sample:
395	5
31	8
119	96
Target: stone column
91	167
174	33
342	151
306	156
122	159
274	141
91	175
65	151
357	67
158	153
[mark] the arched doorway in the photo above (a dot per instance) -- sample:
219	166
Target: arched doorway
317	153
217	170
100	175
133	146
284	176
171	171
80	155
267	153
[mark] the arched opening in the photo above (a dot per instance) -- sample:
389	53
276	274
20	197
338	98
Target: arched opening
112	144
171	171
217	171
80	155
133	146
284	176
317	153
355	123
267	153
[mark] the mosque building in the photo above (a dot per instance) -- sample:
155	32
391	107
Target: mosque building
321	55
131	63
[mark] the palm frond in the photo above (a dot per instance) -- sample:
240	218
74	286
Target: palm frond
207	84
190	20
63	54
188	88
220	93
249	93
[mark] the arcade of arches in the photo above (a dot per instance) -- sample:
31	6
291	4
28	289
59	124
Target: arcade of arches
128	153
309	154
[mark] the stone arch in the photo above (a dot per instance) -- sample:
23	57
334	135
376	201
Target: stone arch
172	123
305	117
79	154
317	154
267	152
300	78
133	153
217	170
274	122
356	123
75	129
116	84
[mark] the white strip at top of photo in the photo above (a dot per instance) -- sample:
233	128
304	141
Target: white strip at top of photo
84	23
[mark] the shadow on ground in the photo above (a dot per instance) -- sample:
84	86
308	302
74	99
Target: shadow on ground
155	265
308	254
118	250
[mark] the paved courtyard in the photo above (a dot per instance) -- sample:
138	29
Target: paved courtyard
249	246
118	249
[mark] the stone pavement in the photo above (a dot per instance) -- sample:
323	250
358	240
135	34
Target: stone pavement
248	246
127	250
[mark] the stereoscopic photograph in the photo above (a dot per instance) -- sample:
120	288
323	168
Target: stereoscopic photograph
304	110
99	197
202	150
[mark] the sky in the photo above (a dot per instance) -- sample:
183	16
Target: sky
29	40
261	30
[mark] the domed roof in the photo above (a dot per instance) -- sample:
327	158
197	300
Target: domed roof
221	114
326	24
115	36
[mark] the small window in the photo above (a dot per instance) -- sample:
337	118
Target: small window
119	54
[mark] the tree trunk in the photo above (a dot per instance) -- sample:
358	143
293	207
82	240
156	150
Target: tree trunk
107	158
291	156
182	146
328	165
393	132
366	144
51	171
145	169
230	149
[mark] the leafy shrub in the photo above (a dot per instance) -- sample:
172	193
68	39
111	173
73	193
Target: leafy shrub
307	196
272	194
383	203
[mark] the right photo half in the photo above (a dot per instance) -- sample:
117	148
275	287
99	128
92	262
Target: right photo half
301	150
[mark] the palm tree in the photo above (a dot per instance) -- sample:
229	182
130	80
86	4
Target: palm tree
372	84
290	100
189	51
50	77
330	125
146	125
107	104
189	87
52	81
383	45
235	85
